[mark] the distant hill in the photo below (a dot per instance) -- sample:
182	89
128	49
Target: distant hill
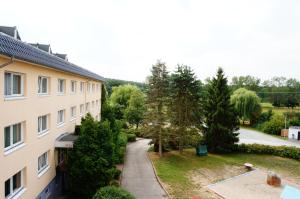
110	83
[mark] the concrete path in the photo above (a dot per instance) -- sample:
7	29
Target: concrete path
248	136
138	176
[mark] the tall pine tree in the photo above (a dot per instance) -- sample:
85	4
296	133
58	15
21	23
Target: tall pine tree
221	119
185	96
156	103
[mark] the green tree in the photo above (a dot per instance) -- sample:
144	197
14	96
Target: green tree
120	98
135	111
249	82
90	162
156	103
246	104
185	96
221	121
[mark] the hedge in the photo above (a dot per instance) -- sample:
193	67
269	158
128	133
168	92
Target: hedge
112	192
131	137
282	151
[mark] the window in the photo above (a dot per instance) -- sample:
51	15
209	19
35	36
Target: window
87	107
98	87
88	85
13	136
81	109
82	87
73	112
42	85
93	104
43	124
73	86
93	87
61	86
42	162
13	84
97	102
61	117
14	184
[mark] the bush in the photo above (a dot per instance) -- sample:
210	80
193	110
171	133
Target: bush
131	137
282	151
122	139
274	126
294	122
112	192
121	154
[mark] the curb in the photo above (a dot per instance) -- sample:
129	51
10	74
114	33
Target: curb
157	178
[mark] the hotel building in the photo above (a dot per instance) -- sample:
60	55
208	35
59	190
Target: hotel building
42	97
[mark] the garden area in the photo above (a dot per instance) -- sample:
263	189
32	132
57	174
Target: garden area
186	175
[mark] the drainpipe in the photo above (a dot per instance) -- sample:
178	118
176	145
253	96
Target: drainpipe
7	63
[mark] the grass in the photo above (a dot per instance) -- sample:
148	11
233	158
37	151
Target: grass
176	170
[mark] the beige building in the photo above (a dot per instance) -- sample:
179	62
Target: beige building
42	98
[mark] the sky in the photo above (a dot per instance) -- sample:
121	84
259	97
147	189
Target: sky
123	38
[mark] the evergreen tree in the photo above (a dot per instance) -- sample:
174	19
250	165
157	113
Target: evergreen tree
185	96
156	103
221	119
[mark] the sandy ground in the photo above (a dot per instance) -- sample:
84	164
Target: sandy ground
248	186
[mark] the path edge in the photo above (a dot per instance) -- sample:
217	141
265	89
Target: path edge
157	178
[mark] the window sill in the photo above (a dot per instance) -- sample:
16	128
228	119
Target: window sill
72	119
43	133
43	94
61	94
9	151
60	125
17	194
8	98
42	172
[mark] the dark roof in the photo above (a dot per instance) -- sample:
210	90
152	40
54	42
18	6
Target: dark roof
63	56
20	50
44	47
67	137
10	31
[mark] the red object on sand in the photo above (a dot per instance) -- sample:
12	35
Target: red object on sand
195	197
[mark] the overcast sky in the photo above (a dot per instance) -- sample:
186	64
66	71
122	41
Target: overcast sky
123	38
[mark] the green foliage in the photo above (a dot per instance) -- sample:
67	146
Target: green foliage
221	119
134	113
123	139
156	104
112	192
91	163
246	104
294	122
185	96
110	83
282	151
248	82
274	126
131	137
120	97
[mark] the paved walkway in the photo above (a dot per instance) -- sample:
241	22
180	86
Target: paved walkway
248	136
138	176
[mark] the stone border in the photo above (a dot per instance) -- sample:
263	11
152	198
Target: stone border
157	178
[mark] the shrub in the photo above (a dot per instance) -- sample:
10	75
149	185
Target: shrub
274	126
282	151
131	137
112	192
294	122
122	139
121	154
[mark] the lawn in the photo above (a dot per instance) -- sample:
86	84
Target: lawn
187	175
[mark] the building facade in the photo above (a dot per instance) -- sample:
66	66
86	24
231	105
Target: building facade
42	97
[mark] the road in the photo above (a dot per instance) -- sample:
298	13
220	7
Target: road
248	136
138	176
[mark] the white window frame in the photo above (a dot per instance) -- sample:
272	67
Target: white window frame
59	86
14	145
75	86
93	87
40	124
59	123
40	86
87	107
88	87
81	109
44	167
81	87
73	108
11	95
14	193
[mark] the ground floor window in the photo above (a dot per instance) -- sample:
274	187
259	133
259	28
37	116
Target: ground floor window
13	185
42	162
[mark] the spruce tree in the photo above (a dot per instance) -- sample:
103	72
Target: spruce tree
221	119
156	103
185	96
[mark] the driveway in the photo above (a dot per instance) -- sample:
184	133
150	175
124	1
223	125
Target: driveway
253	137
138	176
